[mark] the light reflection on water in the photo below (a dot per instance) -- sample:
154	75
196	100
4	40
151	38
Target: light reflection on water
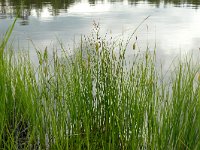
173	29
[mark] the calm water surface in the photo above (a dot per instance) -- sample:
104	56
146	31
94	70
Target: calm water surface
173	25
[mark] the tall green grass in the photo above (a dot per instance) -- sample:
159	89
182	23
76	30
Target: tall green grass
92	100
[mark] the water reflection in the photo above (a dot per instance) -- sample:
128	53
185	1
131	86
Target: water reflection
9	8
24	7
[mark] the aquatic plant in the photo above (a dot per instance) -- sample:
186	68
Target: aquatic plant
95	99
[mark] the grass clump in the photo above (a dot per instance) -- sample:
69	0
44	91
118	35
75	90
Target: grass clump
95	99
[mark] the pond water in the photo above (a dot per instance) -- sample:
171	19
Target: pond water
173	25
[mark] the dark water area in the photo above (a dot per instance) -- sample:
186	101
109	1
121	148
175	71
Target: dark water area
173	25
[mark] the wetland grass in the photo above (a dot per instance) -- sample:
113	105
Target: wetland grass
94	101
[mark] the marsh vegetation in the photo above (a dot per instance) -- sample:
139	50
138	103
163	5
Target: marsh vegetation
92	100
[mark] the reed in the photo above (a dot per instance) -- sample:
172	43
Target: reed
95	99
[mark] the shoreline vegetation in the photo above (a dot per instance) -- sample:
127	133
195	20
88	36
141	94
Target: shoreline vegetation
93	101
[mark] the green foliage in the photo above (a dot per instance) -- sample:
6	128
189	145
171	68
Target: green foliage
96	100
